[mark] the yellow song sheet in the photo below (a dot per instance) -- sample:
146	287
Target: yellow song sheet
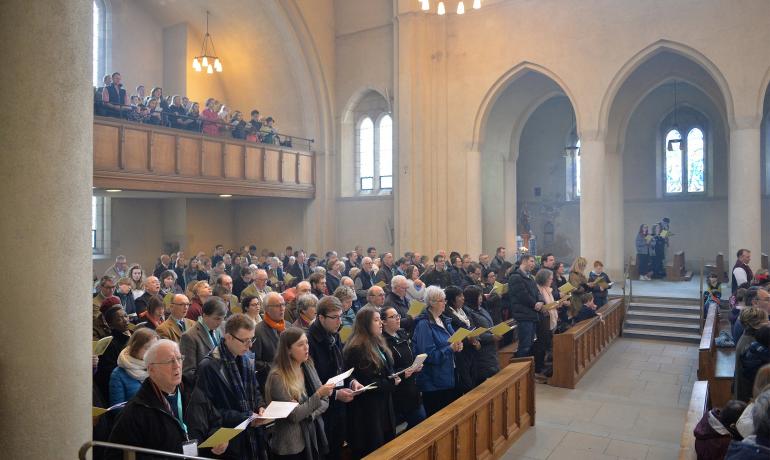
501	329
100	346
500	288
415	308
345	333
459	335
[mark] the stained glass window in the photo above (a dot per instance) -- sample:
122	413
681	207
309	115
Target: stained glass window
695	174
366	153
673	149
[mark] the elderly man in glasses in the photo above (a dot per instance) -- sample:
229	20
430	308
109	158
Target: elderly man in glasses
176	324
266	335
157	416
226	378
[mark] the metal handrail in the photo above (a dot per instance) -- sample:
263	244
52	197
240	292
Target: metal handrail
129	452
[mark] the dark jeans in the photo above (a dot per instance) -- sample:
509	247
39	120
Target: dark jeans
543	344
434	401
411	418
526	332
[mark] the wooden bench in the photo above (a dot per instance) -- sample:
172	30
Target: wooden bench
716	365
482	424
699	404
675	271
577	349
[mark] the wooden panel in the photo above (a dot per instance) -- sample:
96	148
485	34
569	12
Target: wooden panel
135	150
497	430
482	432
233	161
699	404
254	163
212	159
164	154
444	447
271	164
106	147
189	161
305	169
289	168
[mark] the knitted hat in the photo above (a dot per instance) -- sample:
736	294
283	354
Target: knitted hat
108	302
753	318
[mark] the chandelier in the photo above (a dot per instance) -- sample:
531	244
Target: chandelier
441	9
207	58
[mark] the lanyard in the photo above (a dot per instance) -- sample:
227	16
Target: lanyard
179	410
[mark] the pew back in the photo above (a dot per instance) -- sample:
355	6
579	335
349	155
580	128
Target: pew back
699	404
577	349
482	424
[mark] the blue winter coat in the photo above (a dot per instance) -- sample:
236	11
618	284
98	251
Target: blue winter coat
753	358
122	386
433	340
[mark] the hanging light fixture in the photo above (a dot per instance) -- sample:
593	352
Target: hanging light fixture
441	10
460	7
207	57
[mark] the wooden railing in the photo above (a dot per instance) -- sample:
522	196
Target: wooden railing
577	349
699	404
482	424
716	365
152	158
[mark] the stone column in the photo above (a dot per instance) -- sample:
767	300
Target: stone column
46	168
473	202
510	210
613	214
592	199
744	200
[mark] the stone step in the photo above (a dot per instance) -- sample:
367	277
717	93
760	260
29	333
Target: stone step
667	300
684	316
645	333
662	325
664	307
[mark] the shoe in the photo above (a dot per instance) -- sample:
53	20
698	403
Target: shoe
540	378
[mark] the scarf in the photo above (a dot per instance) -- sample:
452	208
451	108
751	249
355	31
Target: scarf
133	367
462	316
244	382
279	326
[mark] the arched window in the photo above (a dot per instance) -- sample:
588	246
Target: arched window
385	151
100	39
374	145
684	161
366	154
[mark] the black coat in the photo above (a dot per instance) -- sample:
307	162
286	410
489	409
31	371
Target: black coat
465	378
300	271
264	348
407	396
146	422
385	274
371	420
434	277
523	294
485	363
402	307
108	361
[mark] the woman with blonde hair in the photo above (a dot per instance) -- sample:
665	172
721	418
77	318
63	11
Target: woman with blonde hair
578	279
371	414
136	274
126	379
293	377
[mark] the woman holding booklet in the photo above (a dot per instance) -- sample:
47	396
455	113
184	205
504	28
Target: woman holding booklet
407	402
301	435
371	418
460	316
486	364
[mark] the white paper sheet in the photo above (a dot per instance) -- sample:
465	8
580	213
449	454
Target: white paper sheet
278	409
339	378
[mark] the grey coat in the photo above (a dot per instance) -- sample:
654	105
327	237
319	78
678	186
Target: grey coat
264	348
303	429
194	345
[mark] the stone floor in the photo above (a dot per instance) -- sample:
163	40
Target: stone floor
662	288
630	405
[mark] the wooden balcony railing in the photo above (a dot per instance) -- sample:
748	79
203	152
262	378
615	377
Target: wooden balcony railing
483	424
144	157
577	349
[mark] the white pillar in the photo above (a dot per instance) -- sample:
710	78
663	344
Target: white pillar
613	214
47	169
592	199
473	202
744	208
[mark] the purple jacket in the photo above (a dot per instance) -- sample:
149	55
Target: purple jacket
711	438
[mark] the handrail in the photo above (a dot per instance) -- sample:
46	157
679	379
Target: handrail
700	294
129	451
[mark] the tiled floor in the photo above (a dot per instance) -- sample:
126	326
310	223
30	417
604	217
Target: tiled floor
630	405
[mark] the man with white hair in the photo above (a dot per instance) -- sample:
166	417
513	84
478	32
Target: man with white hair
365	278
397	299
156	418
151	288
375	298
258	286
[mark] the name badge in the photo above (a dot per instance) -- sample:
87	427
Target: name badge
190	448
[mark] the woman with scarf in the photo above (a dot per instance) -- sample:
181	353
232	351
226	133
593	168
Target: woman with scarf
371	419
301	435
131	371
226	378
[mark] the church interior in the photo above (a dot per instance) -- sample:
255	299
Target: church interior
593	130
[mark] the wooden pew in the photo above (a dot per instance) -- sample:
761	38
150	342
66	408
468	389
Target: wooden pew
482	424
577	349
716	365
675	271
699	404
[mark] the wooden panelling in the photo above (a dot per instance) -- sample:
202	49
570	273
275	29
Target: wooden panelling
699	404
465	429
305	169
289	168
577	349
135	150
271	164
163	153
234	161
106	143
134	156
189	157
212	159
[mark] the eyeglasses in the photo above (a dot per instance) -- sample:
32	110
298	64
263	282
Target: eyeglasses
247	342
282	304
177	303
396	316
333	318
172	361
377	295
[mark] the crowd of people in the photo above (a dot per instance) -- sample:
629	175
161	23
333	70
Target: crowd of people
179	112
206	342
741	428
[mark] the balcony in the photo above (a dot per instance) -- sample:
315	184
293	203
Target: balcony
135	156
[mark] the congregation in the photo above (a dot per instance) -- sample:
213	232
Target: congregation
210	341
